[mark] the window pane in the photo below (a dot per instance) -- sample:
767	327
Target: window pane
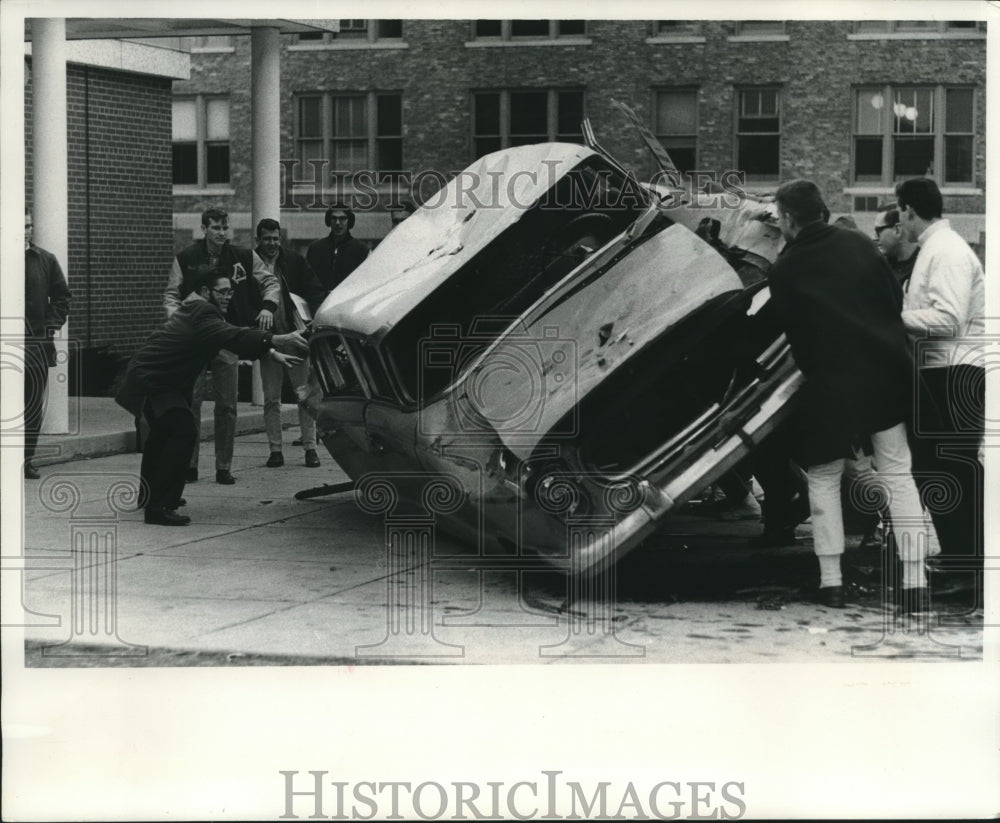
876	26
913	111
390	154
913	156
353	28
185	163
572	27
485	145
958	159
759	124
185	121
529	28
349	116
217	163
668	27
960	24
958	110
217	118
528	115
310	117
305	36
682	151
677	112
487	114
758	155
569	115
487	28
762	27
389	115
916	25
871	104
389	29
868	158
308	150
349	155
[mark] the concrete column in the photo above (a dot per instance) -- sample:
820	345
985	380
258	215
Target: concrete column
51	183
265	91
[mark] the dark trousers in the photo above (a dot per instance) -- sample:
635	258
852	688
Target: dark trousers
944	441
36	379
165	456
785	491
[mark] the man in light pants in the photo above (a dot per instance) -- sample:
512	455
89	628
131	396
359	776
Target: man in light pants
295	277
839	304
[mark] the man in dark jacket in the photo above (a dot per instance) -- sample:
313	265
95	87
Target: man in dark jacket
338	254
160	378
895	244
839	305
46	306
254	301
295	277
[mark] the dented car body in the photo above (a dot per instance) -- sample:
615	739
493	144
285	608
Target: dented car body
575	354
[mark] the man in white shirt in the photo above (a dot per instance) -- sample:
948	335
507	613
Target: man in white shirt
943	310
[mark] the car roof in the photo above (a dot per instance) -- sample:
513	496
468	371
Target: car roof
448	231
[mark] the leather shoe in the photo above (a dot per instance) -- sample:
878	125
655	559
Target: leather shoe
276	459
312	459
166	517
191	476
30	473
831	596
225	477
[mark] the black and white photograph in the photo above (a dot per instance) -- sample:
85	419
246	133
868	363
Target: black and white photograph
467	416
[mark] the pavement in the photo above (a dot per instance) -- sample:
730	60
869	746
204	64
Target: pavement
262	578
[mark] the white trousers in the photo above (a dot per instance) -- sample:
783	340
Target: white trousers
891	461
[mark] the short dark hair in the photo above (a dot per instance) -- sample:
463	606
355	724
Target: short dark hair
207	279
214	213
891	217
922	195
803	201
268	224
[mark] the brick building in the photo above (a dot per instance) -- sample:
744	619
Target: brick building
853	105
119	198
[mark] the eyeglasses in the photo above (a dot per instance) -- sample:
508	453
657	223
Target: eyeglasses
223	292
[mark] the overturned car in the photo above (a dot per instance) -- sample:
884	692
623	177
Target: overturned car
574	354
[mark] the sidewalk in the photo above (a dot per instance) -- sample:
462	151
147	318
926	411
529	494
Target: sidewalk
99	427
262	578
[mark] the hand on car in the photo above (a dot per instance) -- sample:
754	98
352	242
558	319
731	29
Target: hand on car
293	342
286	360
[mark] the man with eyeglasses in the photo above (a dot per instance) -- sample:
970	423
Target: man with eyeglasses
160	378
335	256
895	244
254	301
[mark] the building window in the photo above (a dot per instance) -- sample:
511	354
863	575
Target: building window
676	28
946	27
677	126
501	119
353	132
758	133
201	141
754	28
528	29
355	31
914	131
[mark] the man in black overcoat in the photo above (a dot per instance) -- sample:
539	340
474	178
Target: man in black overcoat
839	304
